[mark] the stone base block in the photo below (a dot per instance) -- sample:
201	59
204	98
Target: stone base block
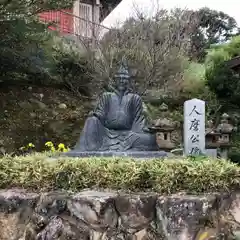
140	154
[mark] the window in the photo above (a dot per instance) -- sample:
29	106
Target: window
83	24
165	136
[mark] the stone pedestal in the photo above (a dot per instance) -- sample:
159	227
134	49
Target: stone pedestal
138	155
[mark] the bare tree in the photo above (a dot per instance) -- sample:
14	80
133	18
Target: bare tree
156	50
155	47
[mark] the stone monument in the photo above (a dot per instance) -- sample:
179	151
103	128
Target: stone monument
116	127
194	127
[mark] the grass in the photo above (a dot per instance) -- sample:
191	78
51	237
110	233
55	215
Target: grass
35	172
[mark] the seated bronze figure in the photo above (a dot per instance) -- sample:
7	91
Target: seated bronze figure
117	123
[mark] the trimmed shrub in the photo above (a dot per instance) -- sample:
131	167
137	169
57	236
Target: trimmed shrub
198	175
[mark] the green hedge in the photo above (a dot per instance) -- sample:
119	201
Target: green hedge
37	172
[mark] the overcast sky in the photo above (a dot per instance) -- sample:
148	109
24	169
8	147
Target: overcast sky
126	8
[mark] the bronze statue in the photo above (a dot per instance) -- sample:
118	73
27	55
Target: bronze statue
117	123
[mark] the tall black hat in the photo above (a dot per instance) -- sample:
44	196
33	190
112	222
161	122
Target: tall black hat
122	71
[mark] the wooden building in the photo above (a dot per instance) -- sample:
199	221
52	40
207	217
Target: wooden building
82	20
234	64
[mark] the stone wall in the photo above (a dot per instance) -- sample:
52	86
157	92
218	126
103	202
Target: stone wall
106	215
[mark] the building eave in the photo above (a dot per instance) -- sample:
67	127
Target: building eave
107	7
233	63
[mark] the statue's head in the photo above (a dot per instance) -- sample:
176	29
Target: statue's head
122	78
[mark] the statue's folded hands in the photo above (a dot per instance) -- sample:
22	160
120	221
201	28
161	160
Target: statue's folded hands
95	114
90	114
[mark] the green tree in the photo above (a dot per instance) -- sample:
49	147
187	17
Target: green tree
24	39
222	80
70	67
212	27
225	83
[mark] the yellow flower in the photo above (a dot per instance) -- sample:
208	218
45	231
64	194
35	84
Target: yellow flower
66	149
53	149
31	145
49	144
61	146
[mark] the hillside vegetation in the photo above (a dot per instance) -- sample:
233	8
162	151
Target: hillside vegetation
39	114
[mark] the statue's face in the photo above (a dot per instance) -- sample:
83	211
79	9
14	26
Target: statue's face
122	83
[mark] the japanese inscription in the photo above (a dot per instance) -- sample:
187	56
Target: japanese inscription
194	127
194	124
194	110
194	139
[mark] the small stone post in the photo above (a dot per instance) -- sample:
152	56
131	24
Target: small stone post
194	127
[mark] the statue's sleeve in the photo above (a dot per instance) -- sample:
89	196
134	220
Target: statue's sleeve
139	120
100	109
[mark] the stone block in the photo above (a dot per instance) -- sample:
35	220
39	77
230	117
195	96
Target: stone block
109	215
